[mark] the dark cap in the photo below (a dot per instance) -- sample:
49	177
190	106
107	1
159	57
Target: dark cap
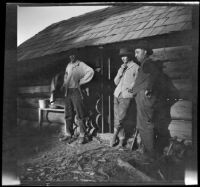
125	51
144	45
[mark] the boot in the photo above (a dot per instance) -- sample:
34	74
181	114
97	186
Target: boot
81	127
67	134
81	140
121	135
121	143
114	138
66	138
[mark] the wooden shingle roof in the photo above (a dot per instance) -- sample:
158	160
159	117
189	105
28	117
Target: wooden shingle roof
104	26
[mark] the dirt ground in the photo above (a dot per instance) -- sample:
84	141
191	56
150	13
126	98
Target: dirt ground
42	158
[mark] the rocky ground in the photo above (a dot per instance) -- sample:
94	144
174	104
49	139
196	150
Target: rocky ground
42	158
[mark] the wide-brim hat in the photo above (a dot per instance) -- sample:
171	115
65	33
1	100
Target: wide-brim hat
126	52
144	45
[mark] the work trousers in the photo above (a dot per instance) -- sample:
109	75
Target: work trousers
74	105
153	118
121	106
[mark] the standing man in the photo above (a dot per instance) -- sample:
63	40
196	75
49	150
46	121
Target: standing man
152	100
77	73
124	81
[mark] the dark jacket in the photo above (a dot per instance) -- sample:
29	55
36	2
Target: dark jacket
150	77
147	76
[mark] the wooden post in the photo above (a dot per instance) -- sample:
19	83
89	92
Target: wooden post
109	99
102	112
40	115
102	87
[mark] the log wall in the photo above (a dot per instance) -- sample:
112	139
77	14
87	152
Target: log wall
178	64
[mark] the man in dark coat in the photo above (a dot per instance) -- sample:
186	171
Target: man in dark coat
153	97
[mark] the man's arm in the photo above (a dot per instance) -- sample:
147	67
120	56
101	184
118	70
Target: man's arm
147	80
119	74
117	79
135	73
154	74
67	75
88	74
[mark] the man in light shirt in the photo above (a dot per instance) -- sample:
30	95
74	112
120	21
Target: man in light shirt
124	81
77	73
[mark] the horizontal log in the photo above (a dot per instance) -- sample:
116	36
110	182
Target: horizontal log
172	53
180	125
183	84
34	89
27	81
33	102
186	135
44	95
182	110
28	102
186	95
184	87
178	69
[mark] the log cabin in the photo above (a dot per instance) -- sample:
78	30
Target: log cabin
98	35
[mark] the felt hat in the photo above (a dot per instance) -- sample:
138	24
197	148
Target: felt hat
144	45
126	51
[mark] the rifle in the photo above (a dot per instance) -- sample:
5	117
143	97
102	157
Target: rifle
134	139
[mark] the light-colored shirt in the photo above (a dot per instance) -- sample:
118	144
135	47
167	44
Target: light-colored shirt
127	81
77	73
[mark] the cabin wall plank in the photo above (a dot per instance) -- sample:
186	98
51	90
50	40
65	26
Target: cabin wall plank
172	53
34	89
181	135
180	125
178	69
28	102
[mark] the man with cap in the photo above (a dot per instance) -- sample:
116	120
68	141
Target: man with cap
151	93
77	73
124	81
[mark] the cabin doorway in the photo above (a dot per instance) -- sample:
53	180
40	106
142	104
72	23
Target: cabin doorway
110	64
105	63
